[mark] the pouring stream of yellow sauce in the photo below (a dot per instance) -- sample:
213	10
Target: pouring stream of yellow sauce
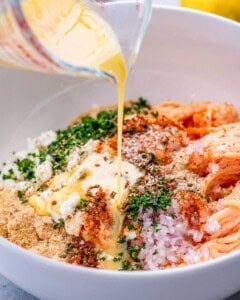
76	34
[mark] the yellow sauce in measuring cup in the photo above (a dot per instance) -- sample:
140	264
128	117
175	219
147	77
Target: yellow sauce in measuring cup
75	33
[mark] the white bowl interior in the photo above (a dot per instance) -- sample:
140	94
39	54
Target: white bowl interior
186	56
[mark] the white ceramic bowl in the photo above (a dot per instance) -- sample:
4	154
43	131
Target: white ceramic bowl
186	56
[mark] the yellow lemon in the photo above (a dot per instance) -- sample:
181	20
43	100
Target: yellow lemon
225	8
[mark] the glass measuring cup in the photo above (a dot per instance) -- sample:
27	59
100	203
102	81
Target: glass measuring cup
21	46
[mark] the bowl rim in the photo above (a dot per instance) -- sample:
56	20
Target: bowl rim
181	271
63	266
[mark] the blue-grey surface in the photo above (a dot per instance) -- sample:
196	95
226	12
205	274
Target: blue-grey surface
9	291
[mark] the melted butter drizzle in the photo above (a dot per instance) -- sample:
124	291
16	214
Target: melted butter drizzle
117	67
64	27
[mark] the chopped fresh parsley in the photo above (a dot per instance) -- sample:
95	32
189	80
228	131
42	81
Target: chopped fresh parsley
119	257
137	266
159	199
155	227
122	239
125	265
26	167
82	204
21	198
9	176
130	227
134	251
103	125
42	155
138	107
133	263
101	256
59	224
131	267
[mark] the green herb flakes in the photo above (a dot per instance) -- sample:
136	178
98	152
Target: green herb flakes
21	198
26	167
159	199
9	175
155	227
82	204
130	227
122	239
59	224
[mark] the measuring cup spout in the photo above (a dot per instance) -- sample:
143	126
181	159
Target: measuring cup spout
71	37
